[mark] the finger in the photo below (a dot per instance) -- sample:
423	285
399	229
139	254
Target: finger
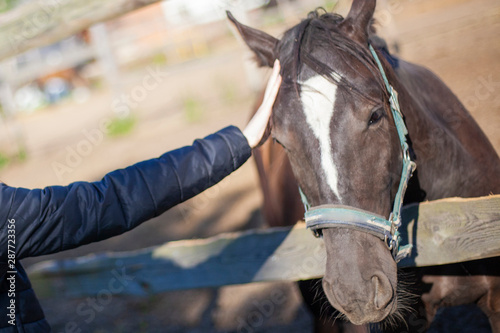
274	76
276	67
255	129
273	92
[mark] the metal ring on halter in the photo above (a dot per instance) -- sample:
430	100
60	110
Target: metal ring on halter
318	233
392	243
388	242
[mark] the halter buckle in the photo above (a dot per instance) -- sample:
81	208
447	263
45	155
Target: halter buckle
393	100
389	242
392	243
317	233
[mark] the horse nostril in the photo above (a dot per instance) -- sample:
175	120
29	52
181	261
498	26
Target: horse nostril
383	291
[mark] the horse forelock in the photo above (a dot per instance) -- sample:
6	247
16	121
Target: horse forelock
320	63
322	31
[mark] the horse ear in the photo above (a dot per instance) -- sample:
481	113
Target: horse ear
258	41
357	24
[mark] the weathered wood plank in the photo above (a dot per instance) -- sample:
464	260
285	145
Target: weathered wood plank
44	22
443	231
453	230
235	258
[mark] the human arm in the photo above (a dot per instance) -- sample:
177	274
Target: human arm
58	218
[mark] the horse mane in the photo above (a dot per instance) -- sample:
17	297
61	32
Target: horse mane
323	29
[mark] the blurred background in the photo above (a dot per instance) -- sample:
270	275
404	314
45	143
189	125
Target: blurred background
160	77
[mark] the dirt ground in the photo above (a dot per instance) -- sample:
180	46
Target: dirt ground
459	40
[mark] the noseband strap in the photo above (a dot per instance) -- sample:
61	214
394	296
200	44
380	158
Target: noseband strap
337	216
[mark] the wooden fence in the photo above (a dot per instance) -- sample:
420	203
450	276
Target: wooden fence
44	22
442	232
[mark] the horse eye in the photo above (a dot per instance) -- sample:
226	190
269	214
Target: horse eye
376	116
277	141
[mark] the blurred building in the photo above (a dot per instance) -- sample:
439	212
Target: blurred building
168	32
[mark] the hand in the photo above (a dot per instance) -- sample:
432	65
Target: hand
257	126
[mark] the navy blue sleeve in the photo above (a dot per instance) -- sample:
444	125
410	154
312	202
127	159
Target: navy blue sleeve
58	218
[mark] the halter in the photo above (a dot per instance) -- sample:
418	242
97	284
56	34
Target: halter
338	216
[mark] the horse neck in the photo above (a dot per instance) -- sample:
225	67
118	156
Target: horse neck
454	156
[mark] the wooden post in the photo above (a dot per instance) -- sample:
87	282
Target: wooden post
6	92
107	59
14	132
7	99
452	230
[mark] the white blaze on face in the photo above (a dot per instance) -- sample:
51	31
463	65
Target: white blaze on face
318	100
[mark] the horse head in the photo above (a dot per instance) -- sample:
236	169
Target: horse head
333	117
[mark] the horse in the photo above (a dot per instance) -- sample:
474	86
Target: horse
334	121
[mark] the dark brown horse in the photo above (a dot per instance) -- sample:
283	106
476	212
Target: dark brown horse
333	119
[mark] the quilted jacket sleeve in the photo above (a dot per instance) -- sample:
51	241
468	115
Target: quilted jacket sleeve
58	218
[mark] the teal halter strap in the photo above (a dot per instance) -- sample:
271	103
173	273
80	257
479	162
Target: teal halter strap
333	216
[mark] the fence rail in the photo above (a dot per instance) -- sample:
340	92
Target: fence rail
44	22
442	232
